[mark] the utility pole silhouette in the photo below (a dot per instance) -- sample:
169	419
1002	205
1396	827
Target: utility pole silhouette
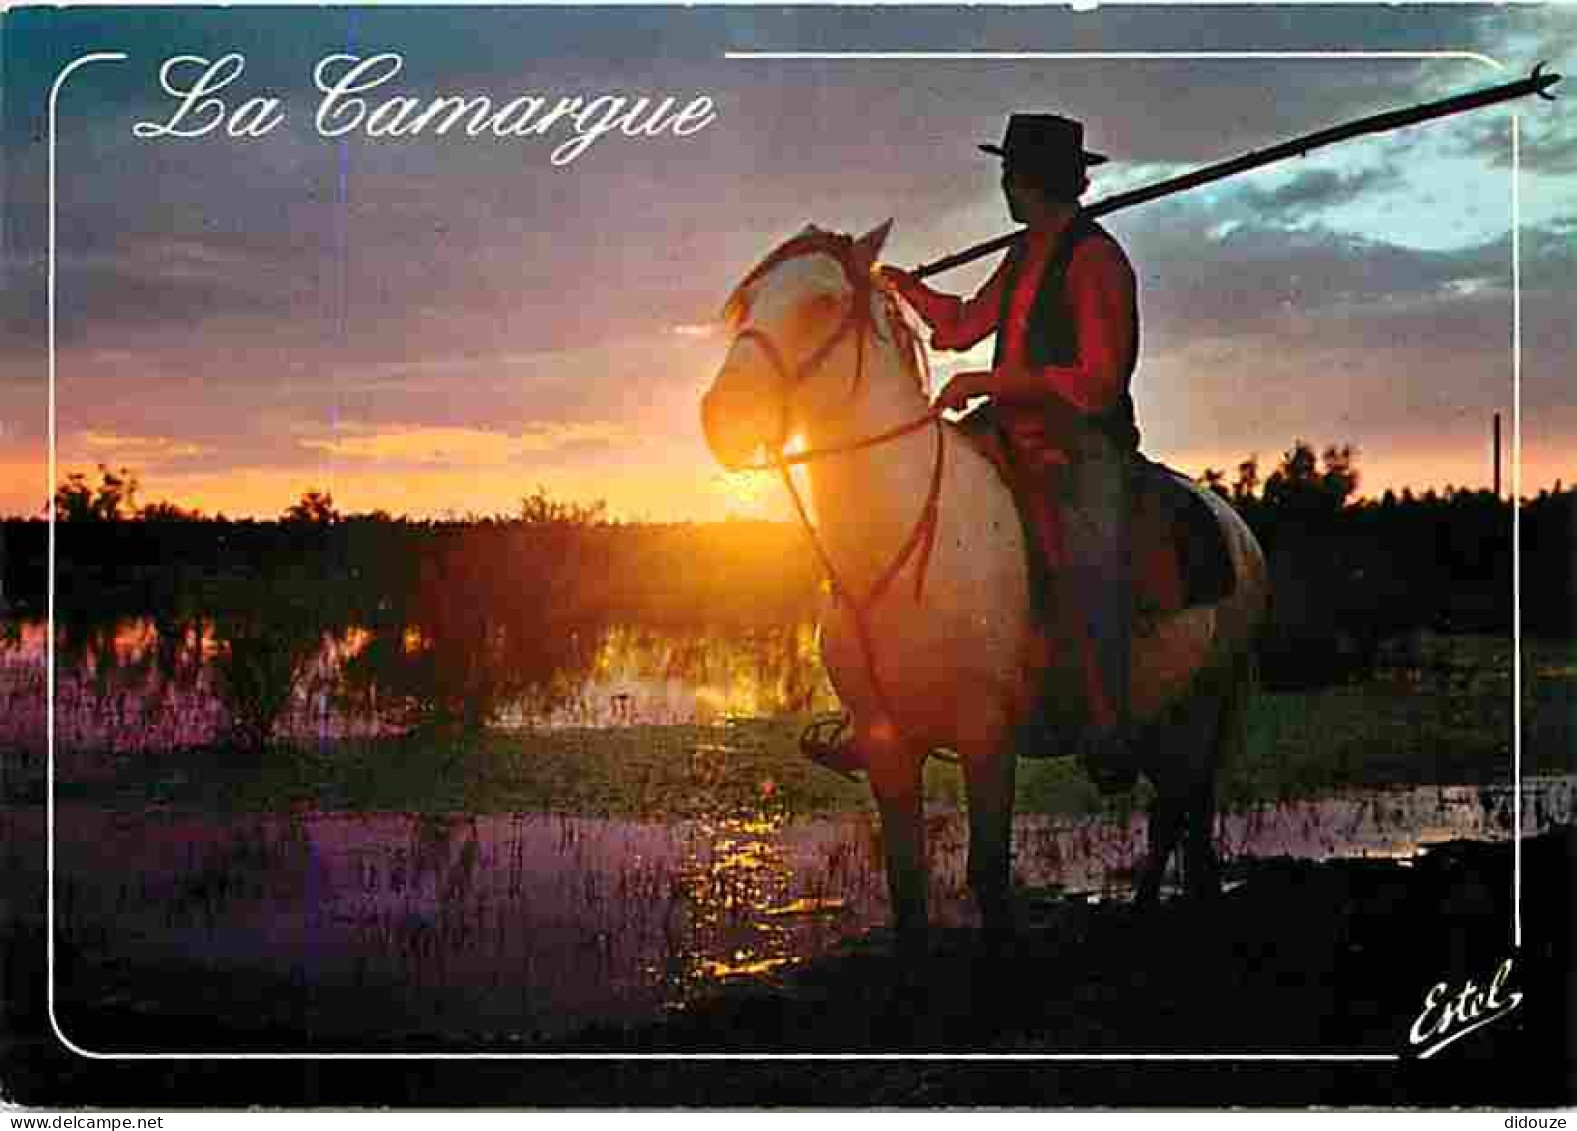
1497	455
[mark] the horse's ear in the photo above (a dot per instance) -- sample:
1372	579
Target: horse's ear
869	246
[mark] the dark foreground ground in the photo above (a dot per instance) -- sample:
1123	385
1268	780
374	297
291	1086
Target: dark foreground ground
1297	958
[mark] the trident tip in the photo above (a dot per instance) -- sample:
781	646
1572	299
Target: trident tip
1542	82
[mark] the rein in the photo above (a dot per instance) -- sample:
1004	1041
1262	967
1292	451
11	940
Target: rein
859	445
922	538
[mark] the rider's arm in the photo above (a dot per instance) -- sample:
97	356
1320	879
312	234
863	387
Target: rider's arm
1100	291
958	323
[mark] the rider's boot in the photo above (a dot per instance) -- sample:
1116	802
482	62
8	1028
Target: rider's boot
1108	751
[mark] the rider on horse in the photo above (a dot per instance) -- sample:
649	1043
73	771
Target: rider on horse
1064	309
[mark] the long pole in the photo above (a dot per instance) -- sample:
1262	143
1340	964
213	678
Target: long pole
1536	83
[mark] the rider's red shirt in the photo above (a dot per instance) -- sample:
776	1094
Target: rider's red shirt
1100	290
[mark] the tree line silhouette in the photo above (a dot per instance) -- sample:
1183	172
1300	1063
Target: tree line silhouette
1347	572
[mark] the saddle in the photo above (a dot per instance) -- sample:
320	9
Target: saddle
1178	552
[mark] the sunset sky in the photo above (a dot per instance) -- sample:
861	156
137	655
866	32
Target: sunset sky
436	325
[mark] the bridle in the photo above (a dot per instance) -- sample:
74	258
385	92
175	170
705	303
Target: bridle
859	323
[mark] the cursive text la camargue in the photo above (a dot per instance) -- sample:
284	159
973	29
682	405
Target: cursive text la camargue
353	98
1446	1017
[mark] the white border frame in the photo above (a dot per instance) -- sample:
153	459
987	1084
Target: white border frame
784	56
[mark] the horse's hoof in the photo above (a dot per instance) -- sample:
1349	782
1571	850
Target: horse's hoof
997	951
999	916
911	947
1147	894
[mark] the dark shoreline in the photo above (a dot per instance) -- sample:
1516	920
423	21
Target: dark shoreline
1297	958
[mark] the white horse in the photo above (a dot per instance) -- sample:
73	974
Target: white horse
932	642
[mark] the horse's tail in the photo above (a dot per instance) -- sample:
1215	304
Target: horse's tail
1241	680
1229	676
1242	613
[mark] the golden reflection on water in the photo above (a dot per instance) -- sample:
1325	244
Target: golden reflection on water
808	906
736	887
634	675
742	967
707	676
133	642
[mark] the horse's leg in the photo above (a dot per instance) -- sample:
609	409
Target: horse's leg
1202	870
1166	826
990	763
1180	751
894	774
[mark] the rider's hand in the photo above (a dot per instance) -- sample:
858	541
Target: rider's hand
899	279
963	388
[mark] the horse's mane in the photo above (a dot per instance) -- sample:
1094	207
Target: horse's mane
840	247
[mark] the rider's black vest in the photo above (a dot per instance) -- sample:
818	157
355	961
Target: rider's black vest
1052	336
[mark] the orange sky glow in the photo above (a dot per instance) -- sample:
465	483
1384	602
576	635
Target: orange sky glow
691	490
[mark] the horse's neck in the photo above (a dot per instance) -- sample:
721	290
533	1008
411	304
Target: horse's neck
868	501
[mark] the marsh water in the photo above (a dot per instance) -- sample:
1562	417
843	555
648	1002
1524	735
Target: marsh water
538	924
136	684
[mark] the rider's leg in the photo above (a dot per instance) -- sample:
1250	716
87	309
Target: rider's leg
1101	576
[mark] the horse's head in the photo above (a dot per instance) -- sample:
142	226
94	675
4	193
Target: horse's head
810	298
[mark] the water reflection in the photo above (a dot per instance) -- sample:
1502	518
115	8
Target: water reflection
757	894
532	925
142	685
537	925
640	674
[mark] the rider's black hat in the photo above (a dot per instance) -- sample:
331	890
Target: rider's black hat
1044	141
